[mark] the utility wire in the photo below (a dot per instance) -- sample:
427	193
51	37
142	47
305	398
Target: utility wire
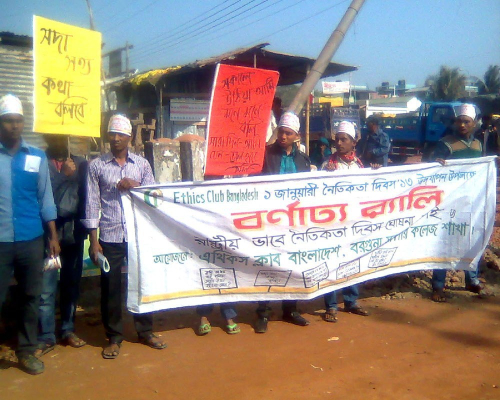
134	14
193	21
165	40
135	57
183	38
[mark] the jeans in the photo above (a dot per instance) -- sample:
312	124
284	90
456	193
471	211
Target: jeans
439	277
350	294
288	307
226	310
70	276
111	296
25	261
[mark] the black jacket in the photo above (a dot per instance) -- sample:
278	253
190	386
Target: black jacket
272	160
69	197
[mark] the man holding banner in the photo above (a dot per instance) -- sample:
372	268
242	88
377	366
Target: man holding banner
109	175
344	158
26	208
460	144
284	157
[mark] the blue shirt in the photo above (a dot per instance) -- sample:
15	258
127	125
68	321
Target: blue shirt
287	165
26	199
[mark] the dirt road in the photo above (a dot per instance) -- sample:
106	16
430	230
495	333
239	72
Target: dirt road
410	348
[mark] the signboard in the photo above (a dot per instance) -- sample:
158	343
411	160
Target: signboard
67	68
240	112
335	87
189	110
303	235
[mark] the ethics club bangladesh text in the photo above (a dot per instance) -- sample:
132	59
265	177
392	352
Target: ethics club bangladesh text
216	196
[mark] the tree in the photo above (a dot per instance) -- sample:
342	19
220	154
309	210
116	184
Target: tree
491	82
447	85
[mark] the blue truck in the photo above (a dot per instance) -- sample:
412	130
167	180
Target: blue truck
418	133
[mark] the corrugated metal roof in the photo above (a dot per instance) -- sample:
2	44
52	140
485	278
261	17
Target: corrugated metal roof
16	77
292	68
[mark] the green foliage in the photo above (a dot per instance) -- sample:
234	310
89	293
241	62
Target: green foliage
491	82
447	85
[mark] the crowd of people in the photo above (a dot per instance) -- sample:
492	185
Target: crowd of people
51	201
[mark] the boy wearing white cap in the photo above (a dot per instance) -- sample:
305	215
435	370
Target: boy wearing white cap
460	144
26	207
344	158
284	157
109	175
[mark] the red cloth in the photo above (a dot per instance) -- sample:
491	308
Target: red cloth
58	164
333	161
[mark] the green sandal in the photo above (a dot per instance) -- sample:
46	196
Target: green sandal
233	329
204	329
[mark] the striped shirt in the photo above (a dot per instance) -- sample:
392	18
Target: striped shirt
103	196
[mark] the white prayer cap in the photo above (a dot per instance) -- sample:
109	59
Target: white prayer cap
120	124
10	104
347	127
468	110
290	120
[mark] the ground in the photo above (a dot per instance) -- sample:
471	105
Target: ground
409	348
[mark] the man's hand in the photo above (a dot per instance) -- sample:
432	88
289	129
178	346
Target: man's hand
94	249
375	166
440	161
68	168
127	184
54	248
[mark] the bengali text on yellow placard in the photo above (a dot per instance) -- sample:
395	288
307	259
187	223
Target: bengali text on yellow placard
67	79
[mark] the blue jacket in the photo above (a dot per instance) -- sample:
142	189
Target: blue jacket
374	148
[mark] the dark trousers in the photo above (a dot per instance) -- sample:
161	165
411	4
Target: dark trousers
226	310
25	261
288	307
111	296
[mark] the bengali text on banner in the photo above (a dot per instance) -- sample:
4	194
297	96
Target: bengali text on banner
302	235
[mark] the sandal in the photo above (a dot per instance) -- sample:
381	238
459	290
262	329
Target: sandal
111	351
330	315
73	341
438	296
358	310
153	341
203	329
44	348
233	329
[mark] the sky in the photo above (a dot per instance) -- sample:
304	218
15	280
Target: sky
389	40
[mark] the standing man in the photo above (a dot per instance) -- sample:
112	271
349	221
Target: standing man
109	176
26	208
344	159
284	157
68	175
460	144
374	145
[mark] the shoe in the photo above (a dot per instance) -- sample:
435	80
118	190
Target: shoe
30	364
295	318
261	325
44	348
356	310
474	288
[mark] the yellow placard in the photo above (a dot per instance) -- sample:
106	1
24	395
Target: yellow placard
67	79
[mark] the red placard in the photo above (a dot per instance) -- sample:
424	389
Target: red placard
239	116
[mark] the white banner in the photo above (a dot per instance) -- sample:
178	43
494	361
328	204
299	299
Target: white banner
335	87
302	235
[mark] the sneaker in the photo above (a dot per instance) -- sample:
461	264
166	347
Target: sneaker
295	318
261	325
30	364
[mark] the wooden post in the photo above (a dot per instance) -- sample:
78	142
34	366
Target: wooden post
308	114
